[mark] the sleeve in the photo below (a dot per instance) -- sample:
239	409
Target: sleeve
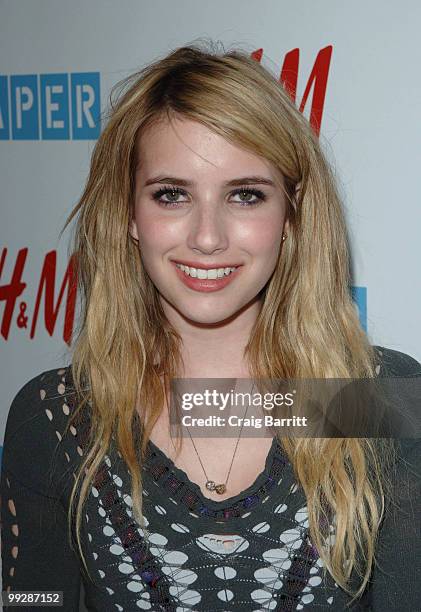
396	584
396	363
35	551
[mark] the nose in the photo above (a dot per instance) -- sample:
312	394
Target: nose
208	230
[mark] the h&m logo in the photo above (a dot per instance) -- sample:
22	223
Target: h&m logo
50	106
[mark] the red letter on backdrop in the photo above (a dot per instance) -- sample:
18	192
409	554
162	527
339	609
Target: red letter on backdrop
48	277
318	76
10	293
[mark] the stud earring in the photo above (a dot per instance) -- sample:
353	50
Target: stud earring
284	236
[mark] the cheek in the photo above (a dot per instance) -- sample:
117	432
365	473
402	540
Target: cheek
154	232
263	236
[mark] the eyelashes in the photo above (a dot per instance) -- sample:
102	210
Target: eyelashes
176	191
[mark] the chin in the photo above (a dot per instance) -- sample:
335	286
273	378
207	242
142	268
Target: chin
207	316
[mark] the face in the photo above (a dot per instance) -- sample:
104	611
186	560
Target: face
205	202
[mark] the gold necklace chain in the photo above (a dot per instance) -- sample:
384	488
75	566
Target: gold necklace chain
210	484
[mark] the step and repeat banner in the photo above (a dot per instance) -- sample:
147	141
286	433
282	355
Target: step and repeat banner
353	68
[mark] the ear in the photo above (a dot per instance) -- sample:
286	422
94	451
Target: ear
133	229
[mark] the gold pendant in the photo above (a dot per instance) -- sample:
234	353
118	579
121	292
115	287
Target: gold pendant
211	486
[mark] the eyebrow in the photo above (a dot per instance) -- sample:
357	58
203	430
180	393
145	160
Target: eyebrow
245	180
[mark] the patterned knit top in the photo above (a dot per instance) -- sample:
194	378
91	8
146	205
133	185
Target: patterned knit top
251	552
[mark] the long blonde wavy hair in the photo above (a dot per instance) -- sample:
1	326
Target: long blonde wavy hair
307	326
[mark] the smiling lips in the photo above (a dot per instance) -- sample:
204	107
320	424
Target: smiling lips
221	280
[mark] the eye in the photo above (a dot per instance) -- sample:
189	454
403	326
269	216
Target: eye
248	191
173	191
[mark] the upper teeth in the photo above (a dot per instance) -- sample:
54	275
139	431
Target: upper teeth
200	273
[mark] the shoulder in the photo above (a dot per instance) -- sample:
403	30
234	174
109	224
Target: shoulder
30	404
405	495
31	434
396	363
393	364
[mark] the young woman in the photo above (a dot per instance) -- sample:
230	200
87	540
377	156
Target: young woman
206	164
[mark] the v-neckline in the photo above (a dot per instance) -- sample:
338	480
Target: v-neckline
157	455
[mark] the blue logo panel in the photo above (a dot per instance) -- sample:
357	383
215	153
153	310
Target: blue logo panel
359	295
55	122
4	109
85	105
61	106
24	102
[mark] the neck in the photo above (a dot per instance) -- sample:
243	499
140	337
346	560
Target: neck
215	350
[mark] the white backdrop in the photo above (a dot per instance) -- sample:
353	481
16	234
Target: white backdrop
370	130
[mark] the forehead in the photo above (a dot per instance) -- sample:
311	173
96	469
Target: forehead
183	147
